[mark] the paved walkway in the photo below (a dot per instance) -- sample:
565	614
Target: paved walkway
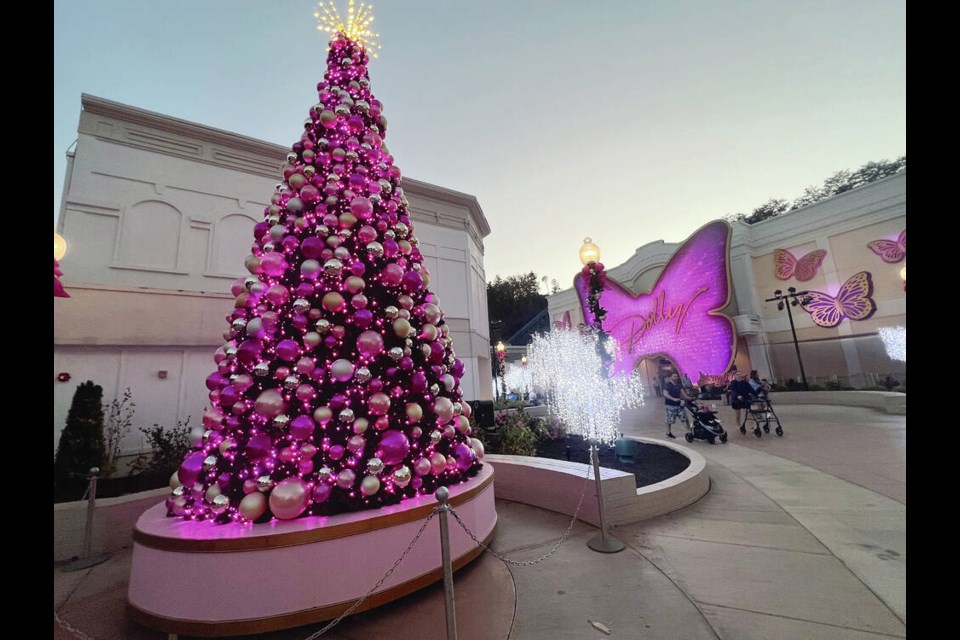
801	537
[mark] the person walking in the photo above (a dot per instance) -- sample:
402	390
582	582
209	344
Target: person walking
673	403
741	394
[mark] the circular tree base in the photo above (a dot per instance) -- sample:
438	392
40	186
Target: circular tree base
207	580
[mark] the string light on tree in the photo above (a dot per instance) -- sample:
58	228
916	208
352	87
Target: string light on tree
895	342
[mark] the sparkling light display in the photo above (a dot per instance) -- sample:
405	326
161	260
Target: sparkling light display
680	317
337	388
356	27
895	342
588	400
517	378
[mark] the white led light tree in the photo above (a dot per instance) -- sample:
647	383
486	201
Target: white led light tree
582	393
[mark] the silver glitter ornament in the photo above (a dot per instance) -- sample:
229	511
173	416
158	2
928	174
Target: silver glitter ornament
391	312
362	374
262	369
301	306
281	421
220	504
323	325
332	266
374	466
375	249
323	473
264	483
209	463
346	416
395	353
291	382
434	388
435	436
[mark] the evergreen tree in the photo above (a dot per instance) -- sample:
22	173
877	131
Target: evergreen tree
81	441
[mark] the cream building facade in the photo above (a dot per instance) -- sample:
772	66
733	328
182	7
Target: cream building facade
158	214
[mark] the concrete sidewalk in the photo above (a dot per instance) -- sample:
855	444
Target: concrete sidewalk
789	543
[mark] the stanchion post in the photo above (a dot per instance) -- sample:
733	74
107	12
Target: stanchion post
603	543
442	495
91	507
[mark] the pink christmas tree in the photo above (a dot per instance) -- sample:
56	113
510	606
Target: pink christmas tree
338	388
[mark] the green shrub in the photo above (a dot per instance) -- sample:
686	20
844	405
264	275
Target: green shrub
168	447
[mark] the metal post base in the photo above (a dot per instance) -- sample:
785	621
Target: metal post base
85	563
605	544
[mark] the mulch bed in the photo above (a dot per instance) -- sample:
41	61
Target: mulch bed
653	462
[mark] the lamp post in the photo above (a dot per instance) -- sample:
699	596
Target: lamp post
501	356
593	272
788	300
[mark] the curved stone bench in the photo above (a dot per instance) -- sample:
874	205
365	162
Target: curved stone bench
556	485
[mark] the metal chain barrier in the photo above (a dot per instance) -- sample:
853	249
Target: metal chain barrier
396	564
527	563
68	627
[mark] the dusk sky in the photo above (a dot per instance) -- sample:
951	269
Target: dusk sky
628	121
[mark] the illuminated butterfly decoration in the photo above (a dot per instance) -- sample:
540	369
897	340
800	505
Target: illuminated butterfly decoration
852	301
803	269
890	250
680	317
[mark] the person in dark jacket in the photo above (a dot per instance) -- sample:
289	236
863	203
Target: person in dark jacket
741	394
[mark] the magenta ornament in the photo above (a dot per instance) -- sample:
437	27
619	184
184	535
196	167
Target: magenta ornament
312	247
370	343
361	207
464	456
363	318
379	404
190	468
302	427
392	274
288	350
322	493
394	447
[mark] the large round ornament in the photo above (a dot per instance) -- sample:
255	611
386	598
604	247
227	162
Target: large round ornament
253	506
289	498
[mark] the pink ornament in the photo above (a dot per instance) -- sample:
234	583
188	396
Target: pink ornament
305	366
394	447
273	264
277	294
323	415
414	412
336	452
392	274
289	498
422	467
361	207
309	194
379	404
477	448
370	343
341	370
270	403
438	463
310	269
243	382
355	284
346	478
365	235
412	282
355	444
363	318
443	407
249	352
238	286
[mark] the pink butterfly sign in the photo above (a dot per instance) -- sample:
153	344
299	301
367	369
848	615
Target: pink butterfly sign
680	317
803	269
852	301
890	250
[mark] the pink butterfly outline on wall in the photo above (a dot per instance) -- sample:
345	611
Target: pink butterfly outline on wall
680	317
787	266
890	250
852	301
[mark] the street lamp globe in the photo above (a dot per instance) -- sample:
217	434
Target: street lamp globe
589	252
59	246
500	347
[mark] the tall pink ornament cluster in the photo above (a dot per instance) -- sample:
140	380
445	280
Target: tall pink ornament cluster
338	388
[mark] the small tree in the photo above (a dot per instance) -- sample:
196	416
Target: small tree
81	441
119	422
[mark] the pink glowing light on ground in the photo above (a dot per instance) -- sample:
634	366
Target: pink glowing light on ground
680	317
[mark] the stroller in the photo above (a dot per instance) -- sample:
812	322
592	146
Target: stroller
706	424
762	414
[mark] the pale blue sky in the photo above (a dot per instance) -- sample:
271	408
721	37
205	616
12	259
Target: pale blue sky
628	121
